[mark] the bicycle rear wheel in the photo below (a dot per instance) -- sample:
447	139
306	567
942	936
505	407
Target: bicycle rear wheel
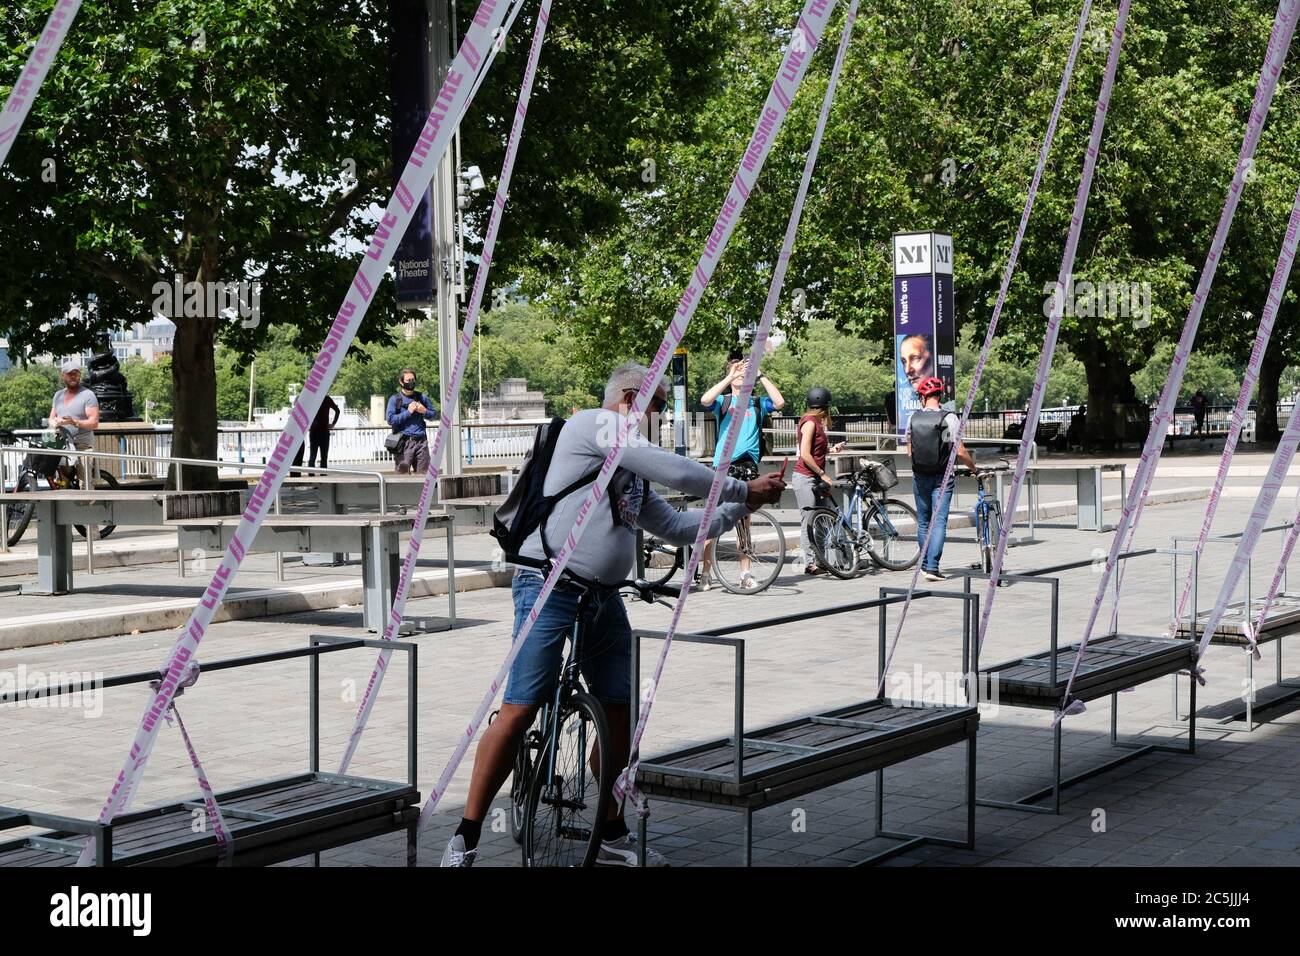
20	512
756	542
105	482
891	527
835	544
567	798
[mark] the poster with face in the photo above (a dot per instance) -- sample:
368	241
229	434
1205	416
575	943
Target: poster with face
924	330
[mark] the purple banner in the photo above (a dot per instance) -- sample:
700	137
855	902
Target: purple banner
914	345
409	48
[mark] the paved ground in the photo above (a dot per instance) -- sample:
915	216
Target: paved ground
1237	801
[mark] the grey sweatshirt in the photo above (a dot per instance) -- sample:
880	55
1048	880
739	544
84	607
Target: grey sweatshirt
607	552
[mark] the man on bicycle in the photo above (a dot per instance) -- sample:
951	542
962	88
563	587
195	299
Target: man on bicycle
748	451
605	556
930	432
75	413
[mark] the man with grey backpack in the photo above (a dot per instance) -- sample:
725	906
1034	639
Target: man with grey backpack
930	433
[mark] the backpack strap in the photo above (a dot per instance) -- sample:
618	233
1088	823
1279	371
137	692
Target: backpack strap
552	500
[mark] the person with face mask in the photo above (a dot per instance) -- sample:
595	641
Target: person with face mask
407	412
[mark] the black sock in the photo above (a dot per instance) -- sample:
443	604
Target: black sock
471	830
614	829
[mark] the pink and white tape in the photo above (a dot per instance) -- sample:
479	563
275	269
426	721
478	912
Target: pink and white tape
794	64
625	785
1063	282
1277	289
451	392
1287	547
1264	501
219	829
21	97
1279	41
1007	273
433	141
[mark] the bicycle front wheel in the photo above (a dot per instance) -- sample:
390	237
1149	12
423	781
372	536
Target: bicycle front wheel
835	544
519	780
891	526
569	791
989	539
661	560
105	482
749	557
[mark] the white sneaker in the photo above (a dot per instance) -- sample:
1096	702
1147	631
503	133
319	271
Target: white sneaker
623	852
457	855
747	580
935	576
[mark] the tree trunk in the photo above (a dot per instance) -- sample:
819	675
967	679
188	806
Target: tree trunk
1111	395
194	412
1270	377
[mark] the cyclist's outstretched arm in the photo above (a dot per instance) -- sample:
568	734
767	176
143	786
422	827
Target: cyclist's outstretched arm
674	471
680	527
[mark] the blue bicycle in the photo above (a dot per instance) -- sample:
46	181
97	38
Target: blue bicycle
885	528
988	518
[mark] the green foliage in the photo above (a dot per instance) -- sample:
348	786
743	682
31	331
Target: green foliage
214	138
970	83
150	383
1214	374
26	394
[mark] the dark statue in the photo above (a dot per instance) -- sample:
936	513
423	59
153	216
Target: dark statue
104	377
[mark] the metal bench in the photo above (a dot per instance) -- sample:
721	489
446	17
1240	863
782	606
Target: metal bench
1111	663
268	822
57	512
375	537
748	771
1283	621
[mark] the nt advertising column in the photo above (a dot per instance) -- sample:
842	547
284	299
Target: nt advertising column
925	329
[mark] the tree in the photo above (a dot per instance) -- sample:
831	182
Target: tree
228	140
937	124
26	395
150	386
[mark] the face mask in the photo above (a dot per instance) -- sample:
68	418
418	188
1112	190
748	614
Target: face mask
408	387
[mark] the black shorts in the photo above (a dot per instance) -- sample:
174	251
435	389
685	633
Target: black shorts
745	469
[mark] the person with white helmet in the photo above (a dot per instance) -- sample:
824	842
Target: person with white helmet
75	414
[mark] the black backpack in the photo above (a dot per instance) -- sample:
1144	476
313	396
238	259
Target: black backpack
764	440
527	507
929	451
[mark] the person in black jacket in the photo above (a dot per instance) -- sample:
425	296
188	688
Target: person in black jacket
407	412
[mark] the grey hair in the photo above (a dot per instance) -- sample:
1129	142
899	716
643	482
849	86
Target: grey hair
629	375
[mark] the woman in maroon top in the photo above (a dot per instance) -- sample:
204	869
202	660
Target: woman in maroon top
811	483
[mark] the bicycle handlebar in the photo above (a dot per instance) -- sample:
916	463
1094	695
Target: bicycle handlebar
646	591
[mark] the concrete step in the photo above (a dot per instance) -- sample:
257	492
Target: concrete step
76	625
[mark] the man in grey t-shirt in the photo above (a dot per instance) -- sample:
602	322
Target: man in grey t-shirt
606	555
75	413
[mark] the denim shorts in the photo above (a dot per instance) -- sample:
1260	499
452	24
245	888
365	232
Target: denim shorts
606	661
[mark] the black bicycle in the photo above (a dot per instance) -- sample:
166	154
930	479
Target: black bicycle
44	472
559	793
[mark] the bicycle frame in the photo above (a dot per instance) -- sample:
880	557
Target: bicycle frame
568	682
